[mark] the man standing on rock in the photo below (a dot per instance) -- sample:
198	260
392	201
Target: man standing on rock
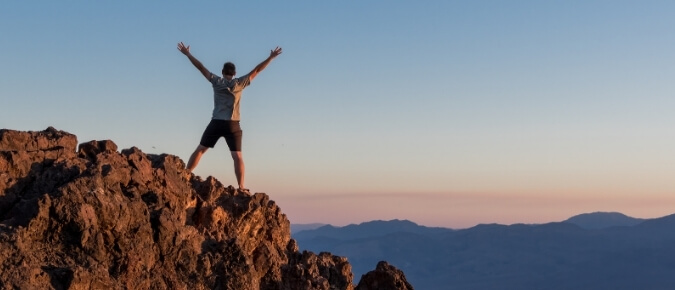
225	120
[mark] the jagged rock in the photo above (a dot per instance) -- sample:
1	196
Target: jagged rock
384	277
102	219
93	148
25	154
46	140
324	271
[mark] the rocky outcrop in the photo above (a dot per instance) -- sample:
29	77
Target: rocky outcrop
97	218
384	277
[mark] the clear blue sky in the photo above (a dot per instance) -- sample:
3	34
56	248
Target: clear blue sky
447	113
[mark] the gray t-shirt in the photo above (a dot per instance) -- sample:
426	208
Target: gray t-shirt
226	96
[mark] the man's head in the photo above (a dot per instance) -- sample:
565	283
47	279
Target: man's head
229	69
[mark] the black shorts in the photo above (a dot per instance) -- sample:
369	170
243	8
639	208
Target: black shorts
222	128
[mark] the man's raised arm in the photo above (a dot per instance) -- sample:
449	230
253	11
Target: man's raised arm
186	51
258	68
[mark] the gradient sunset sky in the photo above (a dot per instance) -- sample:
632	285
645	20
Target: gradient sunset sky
446	113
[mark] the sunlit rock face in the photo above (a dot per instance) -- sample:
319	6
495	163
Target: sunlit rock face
94	217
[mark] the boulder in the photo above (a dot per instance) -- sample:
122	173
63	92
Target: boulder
384	277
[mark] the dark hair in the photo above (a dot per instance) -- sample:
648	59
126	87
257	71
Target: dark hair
229	69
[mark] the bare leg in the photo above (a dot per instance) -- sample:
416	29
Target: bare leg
238	167
194	158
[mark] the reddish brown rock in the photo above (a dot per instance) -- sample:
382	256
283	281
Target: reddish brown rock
24	154
93	148
384	277
103	219
48	139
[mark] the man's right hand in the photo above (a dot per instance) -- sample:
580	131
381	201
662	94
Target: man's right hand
186	51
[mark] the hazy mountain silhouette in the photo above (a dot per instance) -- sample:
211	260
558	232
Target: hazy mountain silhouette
601	220
303	227
369	229
559	255
365	242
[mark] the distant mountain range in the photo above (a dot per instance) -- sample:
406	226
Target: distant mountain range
601	220
303	227
589	251
367	230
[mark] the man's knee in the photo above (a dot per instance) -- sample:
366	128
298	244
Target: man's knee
201	149
236	155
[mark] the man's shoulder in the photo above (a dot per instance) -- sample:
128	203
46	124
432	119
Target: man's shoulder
245	78
218	80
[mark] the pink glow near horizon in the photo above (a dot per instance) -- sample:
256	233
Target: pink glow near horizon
464	210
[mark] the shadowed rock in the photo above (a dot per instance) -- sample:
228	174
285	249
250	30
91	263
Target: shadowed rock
384	277
103	219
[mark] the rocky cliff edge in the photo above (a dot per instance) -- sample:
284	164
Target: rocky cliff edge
96	218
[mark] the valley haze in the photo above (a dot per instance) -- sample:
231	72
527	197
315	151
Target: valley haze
600	250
